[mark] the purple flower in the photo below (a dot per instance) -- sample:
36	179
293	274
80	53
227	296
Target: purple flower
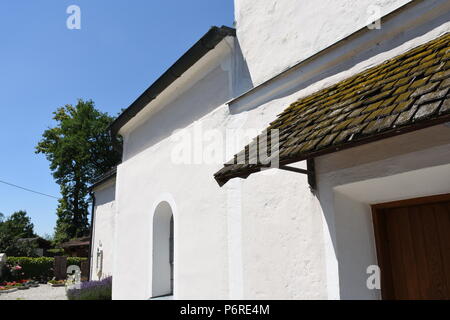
92	290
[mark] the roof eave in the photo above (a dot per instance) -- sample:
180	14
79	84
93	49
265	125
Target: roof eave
104	178
207	43
244	174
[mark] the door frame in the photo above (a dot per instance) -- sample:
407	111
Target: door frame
387	291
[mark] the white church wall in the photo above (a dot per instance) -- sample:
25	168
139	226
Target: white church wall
200	226
263	237
148	171
406	28
217	230
276	34
279	252
104	227
263	105
282	241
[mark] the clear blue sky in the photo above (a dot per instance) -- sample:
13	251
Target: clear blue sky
122	47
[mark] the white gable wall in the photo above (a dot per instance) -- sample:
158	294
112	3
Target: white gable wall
276	34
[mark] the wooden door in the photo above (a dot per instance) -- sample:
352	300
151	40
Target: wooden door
413	248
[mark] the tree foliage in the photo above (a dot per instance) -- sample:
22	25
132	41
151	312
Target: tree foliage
79	149
15	227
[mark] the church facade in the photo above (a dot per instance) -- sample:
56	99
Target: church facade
303	155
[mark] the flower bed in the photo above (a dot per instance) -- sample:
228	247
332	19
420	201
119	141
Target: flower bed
7	287
92	290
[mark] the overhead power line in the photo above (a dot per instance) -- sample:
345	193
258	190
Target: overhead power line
29	190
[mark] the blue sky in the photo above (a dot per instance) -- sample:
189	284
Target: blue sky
122	47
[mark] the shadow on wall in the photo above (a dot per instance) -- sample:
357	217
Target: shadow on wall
348	54
217	87
106	195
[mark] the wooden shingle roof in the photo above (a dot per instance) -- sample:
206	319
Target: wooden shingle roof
406	93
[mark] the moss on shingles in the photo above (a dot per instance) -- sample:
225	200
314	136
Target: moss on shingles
399	92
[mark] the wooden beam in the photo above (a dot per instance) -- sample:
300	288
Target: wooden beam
310	164
310	171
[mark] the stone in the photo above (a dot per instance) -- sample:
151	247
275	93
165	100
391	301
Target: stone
427	110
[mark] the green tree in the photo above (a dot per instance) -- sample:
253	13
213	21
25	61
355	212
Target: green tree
79	149
15	227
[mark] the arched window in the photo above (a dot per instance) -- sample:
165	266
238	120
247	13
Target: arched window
163	251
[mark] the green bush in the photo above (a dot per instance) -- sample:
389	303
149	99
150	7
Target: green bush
54	252
39	268
33	268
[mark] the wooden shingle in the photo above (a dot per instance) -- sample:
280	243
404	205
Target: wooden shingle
405	93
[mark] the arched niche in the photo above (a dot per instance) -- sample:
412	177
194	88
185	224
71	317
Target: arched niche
163	251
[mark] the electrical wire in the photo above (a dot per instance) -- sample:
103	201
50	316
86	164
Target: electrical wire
29	190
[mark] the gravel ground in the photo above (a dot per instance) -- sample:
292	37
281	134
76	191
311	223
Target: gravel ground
43	292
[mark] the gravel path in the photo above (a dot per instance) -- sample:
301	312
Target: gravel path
43	292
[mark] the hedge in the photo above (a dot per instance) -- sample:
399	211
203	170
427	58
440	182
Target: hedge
54	252
40	268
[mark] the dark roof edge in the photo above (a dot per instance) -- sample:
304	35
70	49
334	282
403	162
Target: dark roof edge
208	42
103	178
244	174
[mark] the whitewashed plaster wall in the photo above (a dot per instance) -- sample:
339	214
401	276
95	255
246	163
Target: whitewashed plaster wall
277	250
263	237
104	228
255	240
276	34
420	23
148	172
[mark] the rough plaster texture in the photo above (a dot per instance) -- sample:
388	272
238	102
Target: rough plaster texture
266	237
276	34
266	225
276	226
104	222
